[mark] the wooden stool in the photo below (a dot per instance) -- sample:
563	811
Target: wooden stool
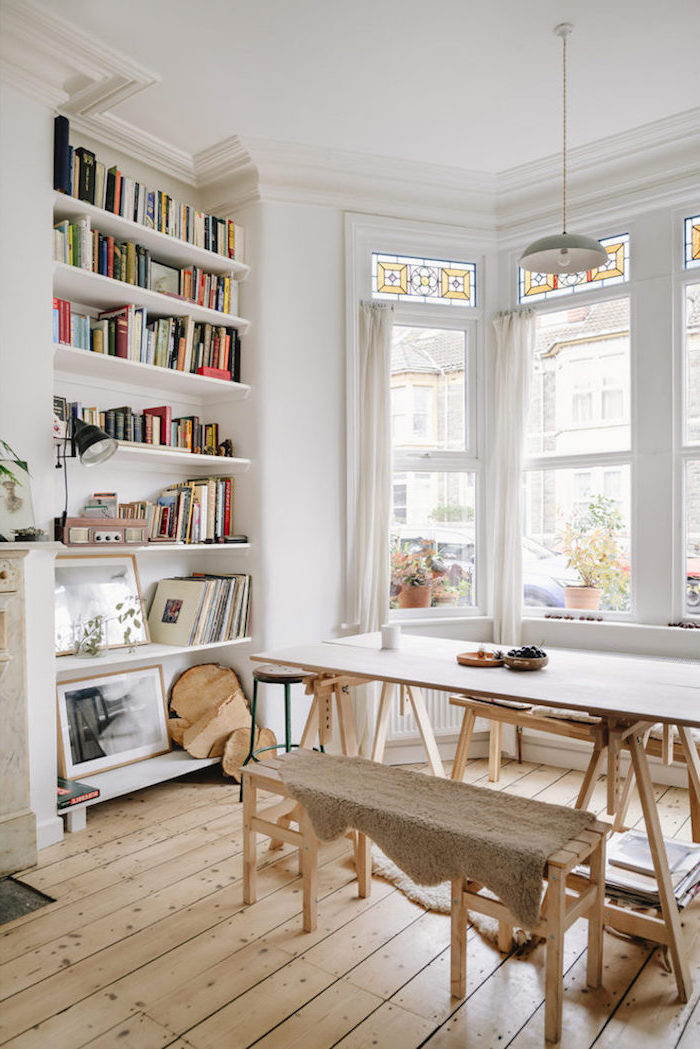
274	821
559	911
273	675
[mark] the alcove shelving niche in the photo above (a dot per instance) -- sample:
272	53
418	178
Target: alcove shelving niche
139	471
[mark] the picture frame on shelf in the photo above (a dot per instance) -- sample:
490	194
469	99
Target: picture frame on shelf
110	720
99	604
165	279
16	509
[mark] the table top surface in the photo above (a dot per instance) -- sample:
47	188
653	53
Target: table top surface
610	685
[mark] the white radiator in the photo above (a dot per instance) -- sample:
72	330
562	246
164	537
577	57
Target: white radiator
445	719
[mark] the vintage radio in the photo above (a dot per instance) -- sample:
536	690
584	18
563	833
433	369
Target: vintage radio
104	531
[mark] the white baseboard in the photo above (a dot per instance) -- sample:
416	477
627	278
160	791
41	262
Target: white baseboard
49	832
538	748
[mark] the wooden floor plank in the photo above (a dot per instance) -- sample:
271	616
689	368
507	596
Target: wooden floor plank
149	947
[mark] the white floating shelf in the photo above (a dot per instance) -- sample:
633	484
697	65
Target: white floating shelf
163	248
92	289
152	548
162	457
69	361
84	665
146	773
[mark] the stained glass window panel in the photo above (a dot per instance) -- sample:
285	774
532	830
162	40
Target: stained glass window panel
423	280
536	286
692	241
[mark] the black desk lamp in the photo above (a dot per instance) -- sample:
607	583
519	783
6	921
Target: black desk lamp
92	446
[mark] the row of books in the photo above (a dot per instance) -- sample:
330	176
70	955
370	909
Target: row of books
200	609
177	343
195	511
154	426
79	173
77	244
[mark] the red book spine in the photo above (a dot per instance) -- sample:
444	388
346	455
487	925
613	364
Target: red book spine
117	193
165	414
121	342
64	322
214	373
227	506
110	256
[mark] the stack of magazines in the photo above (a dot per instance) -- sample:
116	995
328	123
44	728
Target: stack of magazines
629	873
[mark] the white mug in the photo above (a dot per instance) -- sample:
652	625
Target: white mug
391	635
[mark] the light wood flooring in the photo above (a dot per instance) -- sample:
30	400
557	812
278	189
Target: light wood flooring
148	946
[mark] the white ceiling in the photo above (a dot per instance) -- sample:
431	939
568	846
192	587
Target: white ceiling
454	82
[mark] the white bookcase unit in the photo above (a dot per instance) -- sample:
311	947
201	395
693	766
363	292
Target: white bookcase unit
139	471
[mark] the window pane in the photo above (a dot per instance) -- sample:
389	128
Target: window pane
580	391
423	280
692	363
553	285
691	254
428	388
692	537
582	516
433	539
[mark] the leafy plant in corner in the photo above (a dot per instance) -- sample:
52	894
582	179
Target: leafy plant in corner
591	545
9	453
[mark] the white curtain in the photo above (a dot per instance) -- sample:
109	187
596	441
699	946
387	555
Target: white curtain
515	331
370	546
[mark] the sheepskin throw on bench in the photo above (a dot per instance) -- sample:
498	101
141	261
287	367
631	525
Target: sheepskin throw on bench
436	829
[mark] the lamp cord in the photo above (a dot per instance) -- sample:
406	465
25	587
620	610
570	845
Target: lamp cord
563	41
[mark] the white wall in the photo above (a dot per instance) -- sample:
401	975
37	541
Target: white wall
26	390
299	349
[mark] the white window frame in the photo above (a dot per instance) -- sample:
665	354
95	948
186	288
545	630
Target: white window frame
684	451
366	234
595	460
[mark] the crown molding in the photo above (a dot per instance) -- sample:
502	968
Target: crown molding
59	65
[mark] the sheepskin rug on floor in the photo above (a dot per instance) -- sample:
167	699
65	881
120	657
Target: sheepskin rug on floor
438	897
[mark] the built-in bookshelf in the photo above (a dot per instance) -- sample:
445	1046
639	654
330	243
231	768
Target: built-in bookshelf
143	469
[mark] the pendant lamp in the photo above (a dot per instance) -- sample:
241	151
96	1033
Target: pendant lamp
563	252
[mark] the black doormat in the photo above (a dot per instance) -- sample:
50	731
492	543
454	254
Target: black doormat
17	899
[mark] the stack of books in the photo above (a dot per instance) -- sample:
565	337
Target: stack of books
196	511
200	609
77	244
178	343
79	173
154	426
629	873
71	792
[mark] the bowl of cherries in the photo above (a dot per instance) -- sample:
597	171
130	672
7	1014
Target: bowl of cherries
529	657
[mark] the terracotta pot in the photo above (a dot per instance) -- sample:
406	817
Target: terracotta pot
587	597
414	597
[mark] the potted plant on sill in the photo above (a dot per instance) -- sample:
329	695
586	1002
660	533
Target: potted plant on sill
444	593
590	543
412	577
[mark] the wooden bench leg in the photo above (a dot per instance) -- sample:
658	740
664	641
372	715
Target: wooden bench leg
495	736
458	940
594	961
462	751
693	764
363	862
250	804
554	977
309	853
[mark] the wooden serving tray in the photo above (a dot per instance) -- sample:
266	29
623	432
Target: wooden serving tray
473	659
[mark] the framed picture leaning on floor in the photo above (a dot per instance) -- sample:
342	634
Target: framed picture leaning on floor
109	720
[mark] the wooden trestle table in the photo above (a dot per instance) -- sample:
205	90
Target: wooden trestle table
629	693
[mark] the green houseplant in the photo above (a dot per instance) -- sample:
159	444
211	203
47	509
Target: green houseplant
591	545
412	577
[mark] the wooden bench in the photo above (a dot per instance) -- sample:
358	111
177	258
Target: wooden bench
568	895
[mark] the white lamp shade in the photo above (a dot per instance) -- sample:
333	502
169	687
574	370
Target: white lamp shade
563	253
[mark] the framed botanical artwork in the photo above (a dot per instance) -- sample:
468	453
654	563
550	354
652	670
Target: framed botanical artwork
98	604
110	720
15	500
